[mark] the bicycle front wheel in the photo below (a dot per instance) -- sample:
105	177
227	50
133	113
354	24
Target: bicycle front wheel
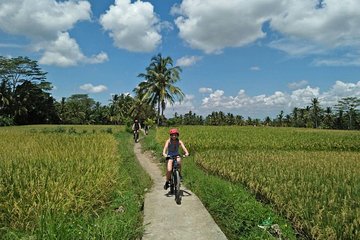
177	187
136	136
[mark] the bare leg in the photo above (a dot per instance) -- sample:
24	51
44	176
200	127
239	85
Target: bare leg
169	168
179	163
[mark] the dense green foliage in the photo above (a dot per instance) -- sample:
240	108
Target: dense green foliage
70	182
23	93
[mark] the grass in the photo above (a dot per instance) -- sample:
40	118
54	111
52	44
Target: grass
70	182
310	176
234	208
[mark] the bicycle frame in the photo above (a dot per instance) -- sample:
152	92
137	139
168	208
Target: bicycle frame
175	180
136	135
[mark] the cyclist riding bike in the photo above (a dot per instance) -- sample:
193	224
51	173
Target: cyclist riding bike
136	127
171	149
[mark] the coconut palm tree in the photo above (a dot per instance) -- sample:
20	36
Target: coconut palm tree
315	112
158	87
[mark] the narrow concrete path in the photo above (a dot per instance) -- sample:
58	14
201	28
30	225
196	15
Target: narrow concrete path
164	219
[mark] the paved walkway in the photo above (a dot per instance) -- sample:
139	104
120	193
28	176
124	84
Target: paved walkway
164	219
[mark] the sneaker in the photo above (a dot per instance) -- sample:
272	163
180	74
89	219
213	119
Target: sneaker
166	185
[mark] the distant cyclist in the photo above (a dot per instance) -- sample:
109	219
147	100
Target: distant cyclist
146	129
136	127
171	148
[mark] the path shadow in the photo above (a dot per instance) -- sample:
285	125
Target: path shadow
183	193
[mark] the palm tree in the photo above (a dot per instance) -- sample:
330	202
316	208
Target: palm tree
280	118
328	118
158	87
295	117
315	112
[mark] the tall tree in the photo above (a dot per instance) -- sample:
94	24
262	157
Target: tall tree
349	105
5	96
158	87
79	109
17	76
15	71
280	118
142	110
120	108
328	118
295	117
267	121
34	106
315	112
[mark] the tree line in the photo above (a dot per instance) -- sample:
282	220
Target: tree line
25	99
344	115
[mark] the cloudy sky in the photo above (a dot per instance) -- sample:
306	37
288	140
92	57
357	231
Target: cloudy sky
253	58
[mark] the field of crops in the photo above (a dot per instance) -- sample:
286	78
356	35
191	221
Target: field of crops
49	176
311	176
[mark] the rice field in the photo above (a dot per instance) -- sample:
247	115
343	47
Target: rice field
49	172
312	177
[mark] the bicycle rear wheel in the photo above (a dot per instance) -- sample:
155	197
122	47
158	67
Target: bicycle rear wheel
177	187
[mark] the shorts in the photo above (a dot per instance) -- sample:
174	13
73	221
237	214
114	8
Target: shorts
172	156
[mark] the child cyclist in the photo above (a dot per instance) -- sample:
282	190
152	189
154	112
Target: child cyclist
171	149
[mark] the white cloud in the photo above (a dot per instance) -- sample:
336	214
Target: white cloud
310	29
255	68
263	105
254	106
205	90
296	85
181	107
99	58
302	97
88	87
333	25
297	47
46	23
300	27
41	19
187	61
340	90
348	59
133	26
211	25
10	45
64	52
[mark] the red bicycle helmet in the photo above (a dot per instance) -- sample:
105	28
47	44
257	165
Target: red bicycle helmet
174	131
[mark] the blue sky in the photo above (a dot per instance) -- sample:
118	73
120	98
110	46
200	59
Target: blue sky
253	58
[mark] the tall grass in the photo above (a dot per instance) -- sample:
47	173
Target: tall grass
66	184
310	176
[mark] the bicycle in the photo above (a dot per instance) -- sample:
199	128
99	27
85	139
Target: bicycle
175	182
136	136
